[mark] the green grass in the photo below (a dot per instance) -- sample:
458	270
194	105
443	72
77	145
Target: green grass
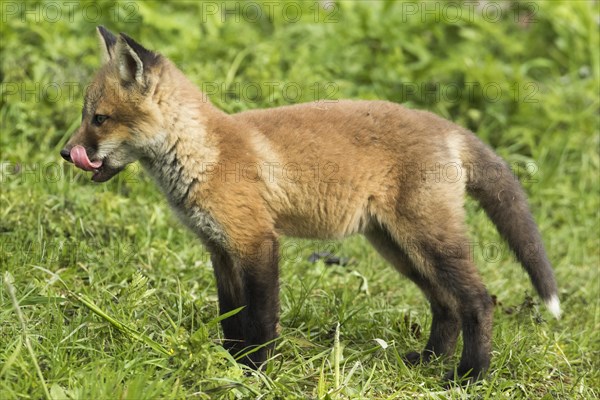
110	297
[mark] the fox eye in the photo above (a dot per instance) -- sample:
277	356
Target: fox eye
99	119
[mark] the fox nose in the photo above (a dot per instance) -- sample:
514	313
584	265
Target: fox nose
66	154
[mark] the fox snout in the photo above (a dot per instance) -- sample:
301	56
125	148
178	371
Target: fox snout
78	155
66	154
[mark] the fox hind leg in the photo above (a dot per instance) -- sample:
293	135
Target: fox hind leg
457	276
445	326
450	281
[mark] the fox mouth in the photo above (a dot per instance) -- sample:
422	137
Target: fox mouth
102	171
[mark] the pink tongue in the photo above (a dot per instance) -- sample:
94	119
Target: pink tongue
81	160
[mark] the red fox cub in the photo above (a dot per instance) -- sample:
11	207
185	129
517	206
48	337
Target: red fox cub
240	181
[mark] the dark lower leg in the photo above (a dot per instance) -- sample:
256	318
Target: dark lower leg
229	290
261	292
445	328
477	338
261	317
456	275
250	281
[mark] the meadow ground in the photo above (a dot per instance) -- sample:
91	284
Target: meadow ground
105	295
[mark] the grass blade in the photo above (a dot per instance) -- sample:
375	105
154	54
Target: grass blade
8	279
119	325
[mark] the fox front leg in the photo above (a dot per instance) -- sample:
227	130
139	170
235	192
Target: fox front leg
249	280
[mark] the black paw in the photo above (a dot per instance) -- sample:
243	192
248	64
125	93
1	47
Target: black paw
413	358
416	358
252	357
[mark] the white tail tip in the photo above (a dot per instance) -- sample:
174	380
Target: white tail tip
553	305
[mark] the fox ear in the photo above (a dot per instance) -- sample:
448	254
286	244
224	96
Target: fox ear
133	60
107	43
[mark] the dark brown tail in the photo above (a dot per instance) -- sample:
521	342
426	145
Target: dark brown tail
499	192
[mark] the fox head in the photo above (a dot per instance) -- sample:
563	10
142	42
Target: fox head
120	116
